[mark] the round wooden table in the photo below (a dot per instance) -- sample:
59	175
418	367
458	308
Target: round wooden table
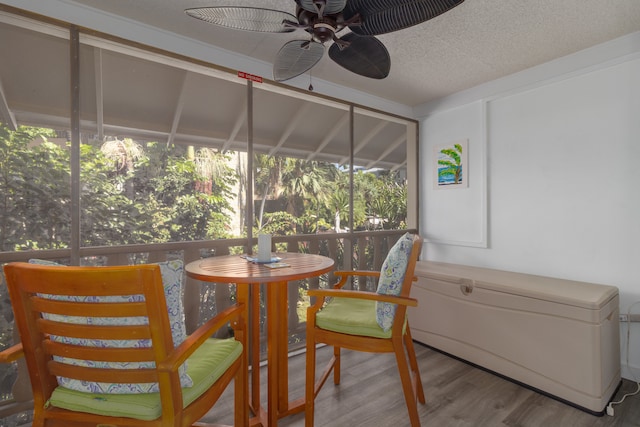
236	269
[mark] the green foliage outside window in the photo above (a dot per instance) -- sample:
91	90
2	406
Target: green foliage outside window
134	193
315	197
34	191
155	196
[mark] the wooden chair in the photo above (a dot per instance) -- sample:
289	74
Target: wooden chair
118	316
350	320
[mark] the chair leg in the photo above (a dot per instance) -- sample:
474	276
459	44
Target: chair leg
336	365
413	361
241	395
310	381
407	386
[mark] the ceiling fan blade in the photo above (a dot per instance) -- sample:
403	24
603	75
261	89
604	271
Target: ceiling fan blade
330	6
296	57
366	56
382	16
245	18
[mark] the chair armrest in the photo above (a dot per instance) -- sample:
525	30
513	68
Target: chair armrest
12	353
343	293
181	353
345	274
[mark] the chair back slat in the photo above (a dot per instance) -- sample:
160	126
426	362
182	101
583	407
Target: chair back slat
102	375
92	309
86	281
400	319
140	354
94	332
409	276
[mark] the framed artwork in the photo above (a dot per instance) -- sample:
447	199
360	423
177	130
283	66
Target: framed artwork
456	141
451	166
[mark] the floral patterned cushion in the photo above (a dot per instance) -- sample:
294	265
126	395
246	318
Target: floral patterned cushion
392	274
172	274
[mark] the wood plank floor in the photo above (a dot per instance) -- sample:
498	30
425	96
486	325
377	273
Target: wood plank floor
458	395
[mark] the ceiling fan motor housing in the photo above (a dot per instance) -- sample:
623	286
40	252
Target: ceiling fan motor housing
321	28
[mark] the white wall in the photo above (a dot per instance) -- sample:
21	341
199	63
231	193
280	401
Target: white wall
561	157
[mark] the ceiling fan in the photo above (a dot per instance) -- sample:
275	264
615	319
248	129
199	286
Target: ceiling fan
358	50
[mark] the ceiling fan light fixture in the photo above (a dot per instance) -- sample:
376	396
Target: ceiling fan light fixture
323	31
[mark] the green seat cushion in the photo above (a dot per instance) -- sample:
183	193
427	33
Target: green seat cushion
351	316
205	366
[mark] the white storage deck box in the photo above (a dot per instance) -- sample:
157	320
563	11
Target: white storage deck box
558	336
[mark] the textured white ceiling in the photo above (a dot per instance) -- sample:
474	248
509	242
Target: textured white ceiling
478	41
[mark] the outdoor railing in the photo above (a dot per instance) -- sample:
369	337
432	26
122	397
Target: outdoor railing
202	300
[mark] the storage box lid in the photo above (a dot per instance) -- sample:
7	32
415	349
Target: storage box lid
579	294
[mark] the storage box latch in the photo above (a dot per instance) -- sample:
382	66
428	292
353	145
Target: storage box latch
466	287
